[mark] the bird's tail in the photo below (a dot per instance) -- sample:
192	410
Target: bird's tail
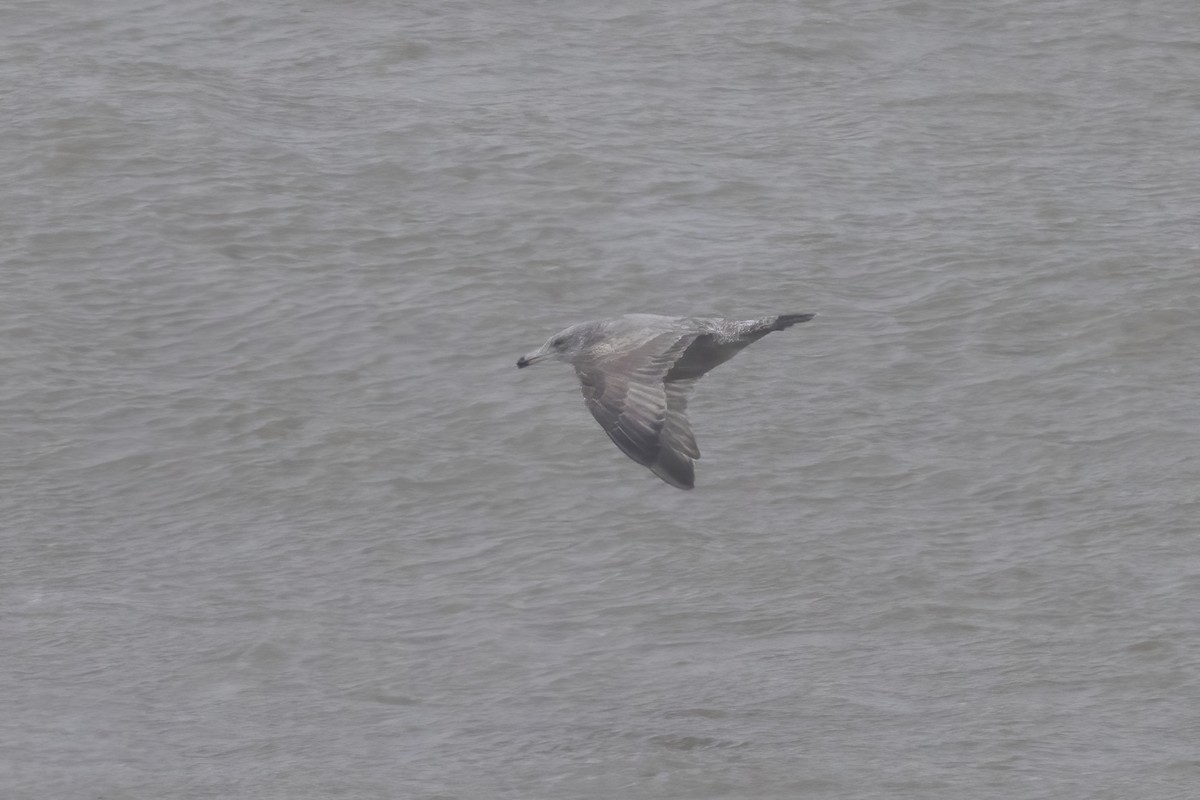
788	320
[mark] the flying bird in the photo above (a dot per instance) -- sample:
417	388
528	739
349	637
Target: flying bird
637	371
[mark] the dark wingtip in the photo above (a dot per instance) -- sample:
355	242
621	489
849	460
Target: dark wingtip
521	362
686	485
675	469
788	320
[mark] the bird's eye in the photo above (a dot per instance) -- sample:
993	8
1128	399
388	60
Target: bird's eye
558	342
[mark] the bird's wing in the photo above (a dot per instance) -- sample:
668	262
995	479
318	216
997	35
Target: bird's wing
643	411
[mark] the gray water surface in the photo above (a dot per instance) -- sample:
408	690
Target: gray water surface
279	518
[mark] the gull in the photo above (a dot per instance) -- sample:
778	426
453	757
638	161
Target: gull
637	371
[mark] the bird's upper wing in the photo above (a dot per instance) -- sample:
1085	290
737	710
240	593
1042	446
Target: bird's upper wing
642	407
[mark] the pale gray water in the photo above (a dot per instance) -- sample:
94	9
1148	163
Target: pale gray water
275	525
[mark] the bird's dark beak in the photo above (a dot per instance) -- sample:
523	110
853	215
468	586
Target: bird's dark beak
531	358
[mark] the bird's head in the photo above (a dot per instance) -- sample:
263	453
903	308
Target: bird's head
564	346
